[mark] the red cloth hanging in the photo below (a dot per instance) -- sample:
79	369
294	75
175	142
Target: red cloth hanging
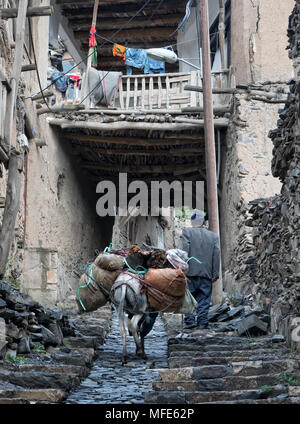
92	39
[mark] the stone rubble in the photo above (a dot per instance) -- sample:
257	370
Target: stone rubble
45	353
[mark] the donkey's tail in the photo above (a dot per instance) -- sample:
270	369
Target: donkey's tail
122	302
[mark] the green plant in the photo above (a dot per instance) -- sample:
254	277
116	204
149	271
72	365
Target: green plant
17	360
266	389
38	349
288	379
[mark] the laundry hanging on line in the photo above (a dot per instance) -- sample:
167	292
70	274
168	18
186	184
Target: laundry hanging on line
138	58
94	46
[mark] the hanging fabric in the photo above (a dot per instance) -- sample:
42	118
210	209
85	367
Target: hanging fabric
119	50
92	39
94	63
93	44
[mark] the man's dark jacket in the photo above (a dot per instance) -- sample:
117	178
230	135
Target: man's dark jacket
204	246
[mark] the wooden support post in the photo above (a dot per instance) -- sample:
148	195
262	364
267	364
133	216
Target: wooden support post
222	32
210	154
89	61
31	11
16	73
11	209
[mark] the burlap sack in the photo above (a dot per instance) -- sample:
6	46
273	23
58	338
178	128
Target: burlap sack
162	302
89	296
167	280
109	262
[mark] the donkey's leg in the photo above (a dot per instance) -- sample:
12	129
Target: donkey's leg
122	318
139	343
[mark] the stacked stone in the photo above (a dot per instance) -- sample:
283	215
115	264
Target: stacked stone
276	221
26	324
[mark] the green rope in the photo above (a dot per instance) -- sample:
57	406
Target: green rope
90	277
144	270
192	257
85	267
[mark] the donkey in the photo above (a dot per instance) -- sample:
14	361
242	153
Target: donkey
131	307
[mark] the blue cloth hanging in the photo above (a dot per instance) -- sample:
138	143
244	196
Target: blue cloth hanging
135	58
61	81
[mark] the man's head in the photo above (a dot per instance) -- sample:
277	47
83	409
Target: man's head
197	218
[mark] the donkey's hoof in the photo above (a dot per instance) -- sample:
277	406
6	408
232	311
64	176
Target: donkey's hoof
124	360
142	355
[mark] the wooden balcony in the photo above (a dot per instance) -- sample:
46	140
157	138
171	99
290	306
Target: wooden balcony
157	93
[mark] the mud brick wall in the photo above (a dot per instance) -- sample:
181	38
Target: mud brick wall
275	221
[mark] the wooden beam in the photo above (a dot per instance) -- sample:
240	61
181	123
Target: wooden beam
155	169
129	35
160	177
218	110
3	155
4	79
62	108
39	96
108	8
131	141
117	152
16	72
188	87
31	11
218	122
125	125
139	22
221	29
27	68
11	209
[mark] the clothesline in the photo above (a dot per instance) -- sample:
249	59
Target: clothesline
172	45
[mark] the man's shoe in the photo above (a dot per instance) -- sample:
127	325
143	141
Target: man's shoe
189	326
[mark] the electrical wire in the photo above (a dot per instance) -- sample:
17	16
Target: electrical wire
36	66
117	32
90	54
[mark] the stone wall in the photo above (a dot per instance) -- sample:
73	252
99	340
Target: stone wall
258	39
275	221
246	174
57	228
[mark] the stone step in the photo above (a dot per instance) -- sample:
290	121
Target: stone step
227	383
271	401
76	356
194	397
43	395
40	379
223	348
235	395
15	401
57	369
190	361
241	368
81	341
227	353
248	368
225	340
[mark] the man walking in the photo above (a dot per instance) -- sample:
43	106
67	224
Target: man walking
201	245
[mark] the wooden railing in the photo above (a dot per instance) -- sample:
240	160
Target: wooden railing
166	91
157	92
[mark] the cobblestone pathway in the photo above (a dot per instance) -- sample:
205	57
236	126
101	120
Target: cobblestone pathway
110	382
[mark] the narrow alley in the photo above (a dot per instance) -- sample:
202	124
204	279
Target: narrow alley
149	203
